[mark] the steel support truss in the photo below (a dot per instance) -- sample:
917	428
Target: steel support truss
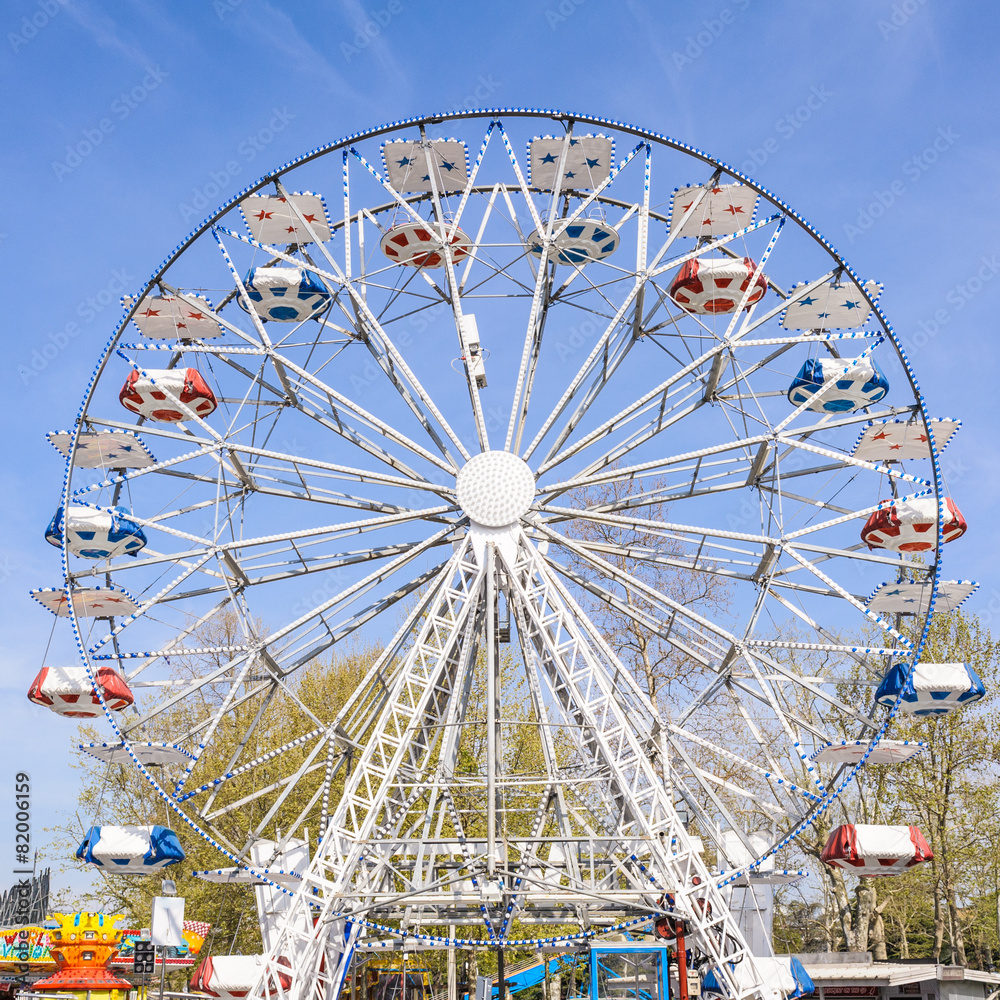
397	848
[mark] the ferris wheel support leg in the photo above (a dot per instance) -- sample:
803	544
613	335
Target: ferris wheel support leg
618	726
313	962
319	934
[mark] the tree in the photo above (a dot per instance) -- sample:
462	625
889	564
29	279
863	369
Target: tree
951	786
250	731
949	790
120	795
660	560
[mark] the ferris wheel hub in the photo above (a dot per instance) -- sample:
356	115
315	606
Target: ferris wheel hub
495	488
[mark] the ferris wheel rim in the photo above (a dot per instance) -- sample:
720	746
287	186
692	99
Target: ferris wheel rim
514	112
476	114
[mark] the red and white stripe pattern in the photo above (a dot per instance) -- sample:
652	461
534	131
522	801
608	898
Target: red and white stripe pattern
715	285
195	932
875	850
911	525
68	691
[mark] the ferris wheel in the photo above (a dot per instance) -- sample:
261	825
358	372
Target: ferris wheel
608	454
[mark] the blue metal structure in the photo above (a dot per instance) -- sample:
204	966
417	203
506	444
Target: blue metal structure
633	971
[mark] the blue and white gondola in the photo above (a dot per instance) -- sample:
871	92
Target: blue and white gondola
131	850
578	244
932	688
858	382
285	294
96	534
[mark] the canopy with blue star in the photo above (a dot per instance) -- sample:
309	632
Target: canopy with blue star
410	166
589	160
915	598
837	304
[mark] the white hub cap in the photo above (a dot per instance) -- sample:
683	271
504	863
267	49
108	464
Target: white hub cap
495	488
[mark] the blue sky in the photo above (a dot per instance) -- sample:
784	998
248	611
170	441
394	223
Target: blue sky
128	123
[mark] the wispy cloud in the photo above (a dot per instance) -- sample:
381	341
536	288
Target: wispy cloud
107	33
378	46
651	31
274	28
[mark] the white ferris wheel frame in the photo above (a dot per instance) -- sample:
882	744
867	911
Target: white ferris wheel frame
467	581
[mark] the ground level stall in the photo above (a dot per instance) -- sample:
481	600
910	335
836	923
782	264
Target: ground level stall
854	976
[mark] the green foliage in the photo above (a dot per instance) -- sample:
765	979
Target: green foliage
798	926
946	909
118	794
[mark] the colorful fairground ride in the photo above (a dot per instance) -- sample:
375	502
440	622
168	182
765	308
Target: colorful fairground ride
86	955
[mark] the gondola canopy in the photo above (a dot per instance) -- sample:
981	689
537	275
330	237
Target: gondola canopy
69	691
232	977
911	525
716	285
96	534
848	384
870	851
